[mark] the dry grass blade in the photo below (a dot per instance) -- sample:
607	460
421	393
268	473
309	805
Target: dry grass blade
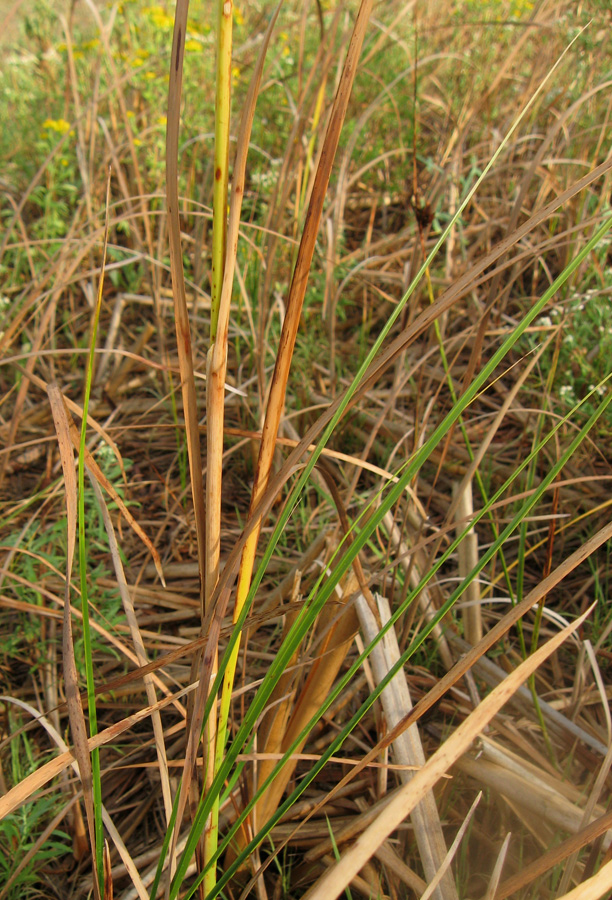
554	857
183	329
297	289
407	748
594	888
96	472
19	794
499	864
73	407
139	647
183	332
542	801
337	627
303	263
468	560
555	720
335	881
108	875
602	775
452	850
217	360
73	698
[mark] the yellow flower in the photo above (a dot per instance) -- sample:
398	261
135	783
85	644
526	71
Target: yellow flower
192	44
137	142
137	62
235	75
159	17
59	125
162	120
130	113
238	17
520	7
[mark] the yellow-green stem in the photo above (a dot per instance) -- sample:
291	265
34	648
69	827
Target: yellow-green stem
215	400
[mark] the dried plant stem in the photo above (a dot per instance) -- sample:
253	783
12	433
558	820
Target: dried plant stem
222	135
223	276
183	333
408	749
98	845
468	559
183	330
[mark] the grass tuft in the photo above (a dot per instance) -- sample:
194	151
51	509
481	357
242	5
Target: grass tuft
336	331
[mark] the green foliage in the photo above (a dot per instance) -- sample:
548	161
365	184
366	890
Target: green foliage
40	555
578	357
20	830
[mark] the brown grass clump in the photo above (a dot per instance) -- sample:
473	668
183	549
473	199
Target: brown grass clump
305	533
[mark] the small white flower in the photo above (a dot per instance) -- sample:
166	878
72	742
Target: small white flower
544	322
566	392
600	389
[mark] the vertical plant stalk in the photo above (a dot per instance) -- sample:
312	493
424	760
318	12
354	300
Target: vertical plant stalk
215	388
217	366
222	135
183	334
295	301
468	558
98	847
71	681
183	331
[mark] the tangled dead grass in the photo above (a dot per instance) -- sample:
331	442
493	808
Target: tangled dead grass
499	685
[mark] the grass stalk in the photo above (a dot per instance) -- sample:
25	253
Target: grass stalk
221	173
215	395
186	365
216	373
84	571
287	343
